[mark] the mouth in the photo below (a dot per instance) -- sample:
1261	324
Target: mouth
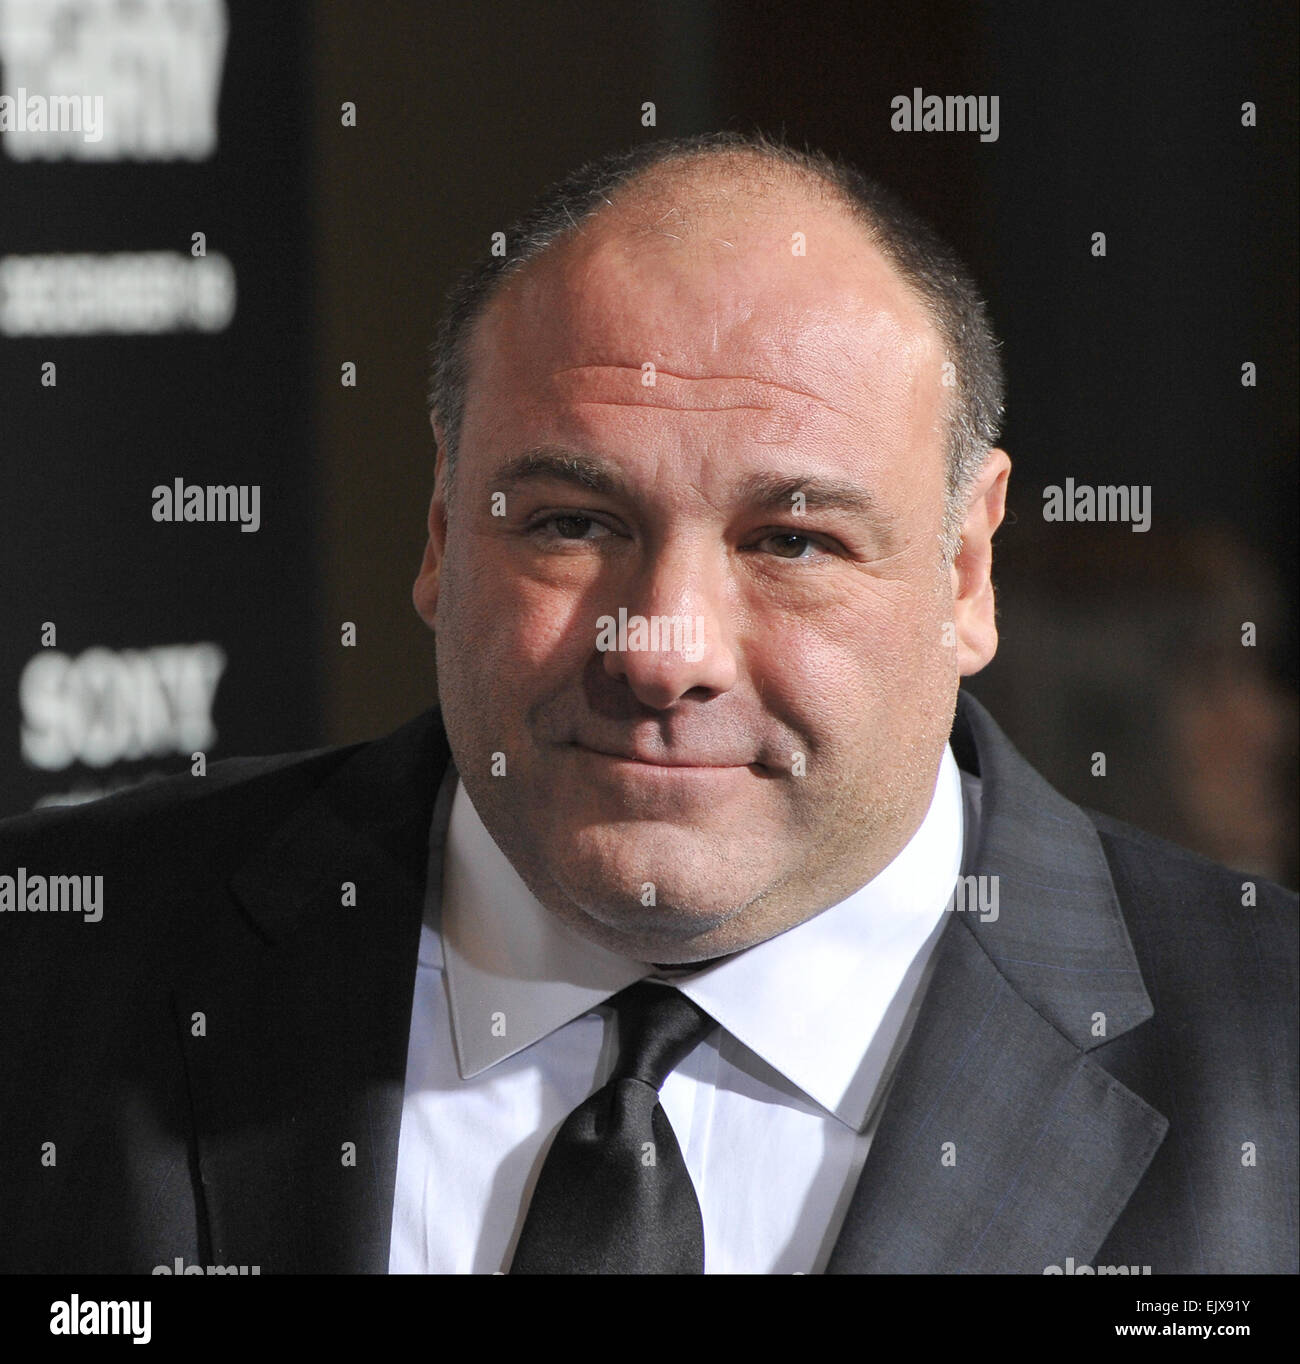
664	762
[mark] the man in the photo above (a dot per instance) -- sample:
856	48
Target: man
643	954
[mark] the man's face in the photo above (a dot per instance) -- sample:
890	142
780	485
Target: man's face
753	441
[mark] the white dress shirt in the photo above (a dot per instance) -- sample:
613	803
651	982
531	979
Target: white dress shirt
774	1111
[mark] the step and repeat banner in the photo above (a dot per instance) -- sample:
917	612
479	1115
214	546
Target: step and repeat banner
157	589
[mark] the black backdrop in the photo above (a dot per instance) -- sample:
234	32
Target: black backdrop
149	617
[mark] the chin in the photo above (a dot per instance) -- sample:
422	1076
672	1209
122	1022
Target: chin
660	886
652	933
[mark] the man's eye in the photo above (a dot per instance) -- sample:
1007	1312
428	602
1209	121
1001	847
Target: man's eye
571	527
789	545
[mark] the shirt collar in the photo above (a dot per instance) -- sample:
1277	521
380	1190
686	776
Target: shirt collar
821	1002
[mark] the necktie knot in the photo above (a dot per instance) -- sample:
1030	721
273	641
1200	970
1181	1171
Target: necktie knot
658	1027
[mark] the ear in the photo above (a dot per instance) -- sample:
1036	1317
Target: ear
424	591
972	568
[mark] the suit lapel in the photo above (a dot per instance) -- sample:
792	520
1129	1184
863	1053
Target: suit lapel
1004	1146
296	1083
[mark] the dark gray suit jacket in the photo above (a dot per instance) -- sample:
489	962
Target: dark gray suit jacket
180	1079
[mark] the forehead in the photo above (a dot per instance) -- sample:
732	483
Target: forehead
773	313
688	277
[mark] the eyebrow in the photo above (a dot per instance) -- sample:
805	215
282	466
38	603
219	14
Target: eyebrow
555	464
759	492
769	491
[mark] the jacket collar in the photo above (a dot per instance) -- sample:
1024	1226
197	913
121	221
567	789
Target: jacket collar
1059	938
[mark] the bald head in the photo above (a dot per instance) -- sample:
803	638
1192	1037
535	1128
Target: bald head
678	194
673	189
701	289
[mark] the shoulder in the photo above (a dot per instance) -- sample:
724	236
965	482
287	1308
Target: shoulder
147	874
166	855
1155	866
240	791
1202	930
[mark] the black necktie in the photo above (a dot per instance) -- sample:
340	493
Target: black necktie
614	1195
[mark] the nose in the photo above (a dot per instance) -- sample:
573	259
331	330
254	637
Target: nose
673	636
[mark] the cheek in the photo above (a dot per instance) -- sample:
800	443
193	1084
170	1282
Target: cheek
510	623
835	677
